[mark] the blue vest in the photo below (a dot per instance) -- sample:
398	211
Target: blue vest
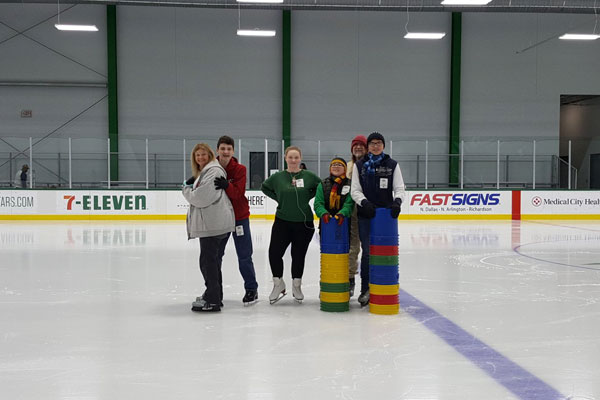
377	188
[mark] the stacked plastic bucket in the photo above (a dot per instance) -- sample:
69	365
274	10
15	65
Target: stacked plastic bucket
335	286
383	264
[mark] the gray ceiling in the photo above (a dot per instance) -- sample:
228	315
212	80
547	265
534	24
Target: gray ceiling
538	6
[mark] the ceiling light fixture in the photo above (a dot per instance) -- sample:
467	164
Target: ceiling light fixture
584	36
70	27
466	2
420	35
79	28
256	32
579	36
424	35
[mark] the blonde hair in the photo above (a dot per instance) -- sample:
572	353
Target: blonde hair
289	148
211	156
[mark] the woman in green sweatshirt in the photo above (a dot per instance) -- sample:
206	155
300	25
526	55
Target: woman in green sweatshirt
292	189
333	198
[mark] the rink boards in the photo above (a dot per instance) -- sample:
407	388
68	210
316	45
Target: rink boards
170	205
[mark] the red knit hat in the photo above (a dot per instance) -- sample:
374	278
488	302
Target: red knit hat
359	139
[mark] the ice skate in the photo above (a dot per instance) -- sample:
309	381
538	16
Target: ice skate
206	307
250	297
199	303
364	297
352	283
200	299
297	290
278	290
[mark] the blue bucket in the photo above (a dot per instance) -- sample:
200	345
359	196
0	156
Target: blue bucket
383	269
335	248
383	275
383	224
383	240
334	235
383	280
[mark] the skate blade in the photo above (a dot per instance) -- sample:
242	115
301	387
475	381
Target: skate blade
281	296
250	303
299	301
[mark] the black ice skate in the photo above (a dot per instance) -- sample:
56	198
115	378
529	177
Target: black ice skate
364	297
200	302
206	307
251	297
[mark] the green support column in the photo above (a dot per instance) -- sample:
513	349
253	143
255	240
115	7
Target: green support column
454	137
113	110
286	78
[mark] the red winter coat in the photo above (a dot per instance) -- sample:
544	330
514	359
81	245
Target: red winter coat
236	191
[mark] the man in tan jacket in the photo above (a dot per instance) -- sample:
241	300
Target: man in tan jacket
358	148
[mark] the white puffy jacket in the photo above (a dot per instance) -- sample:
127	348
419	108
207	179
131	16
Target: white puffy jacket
211	212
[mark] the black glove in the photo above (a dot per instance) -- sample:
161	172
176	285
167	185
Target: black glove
368	208
395	208
221	183
190	181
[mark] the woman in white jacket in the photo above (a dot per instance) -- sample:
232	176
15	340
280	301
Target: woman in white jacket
210	217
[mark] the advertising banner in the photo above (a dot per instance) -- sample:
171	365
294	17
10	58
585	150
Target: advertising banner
18	202
560	204
462	204
170	204
109	202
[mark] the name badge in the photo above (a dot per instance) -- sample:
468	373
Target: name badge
300	182
383	183
239	230
345	189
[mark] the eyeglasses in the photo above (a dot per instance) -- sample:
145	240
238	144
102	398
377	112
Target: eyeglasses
337	165
374	143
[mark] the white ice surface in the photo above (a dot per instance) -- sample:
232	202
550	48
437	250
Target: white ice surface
102	311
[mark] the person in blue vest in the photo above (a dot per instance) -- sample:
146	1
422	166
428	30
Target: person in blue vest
376	182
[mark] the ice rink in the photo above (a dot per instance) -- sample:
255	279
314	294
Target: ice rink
489	310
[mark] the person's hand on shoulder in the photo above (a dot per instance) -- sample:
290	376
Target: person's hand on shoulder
221	183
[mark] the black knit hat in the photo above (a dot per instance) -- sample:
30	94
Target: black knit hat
376	136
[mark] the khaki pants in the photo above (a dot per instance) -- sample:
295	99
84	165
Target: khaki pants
354	244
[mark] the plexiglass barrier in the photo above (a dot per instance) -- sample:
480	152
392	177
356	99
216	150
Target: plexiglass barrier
165	163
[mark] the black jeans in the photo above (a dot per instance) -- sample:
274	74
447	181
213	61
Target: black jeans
283	233
210	266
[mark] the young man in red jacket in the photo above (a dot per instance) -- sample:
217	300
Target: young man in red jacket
235	187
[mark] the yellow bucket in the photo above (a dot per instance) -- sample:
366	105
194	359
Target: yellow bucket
334	257
384	309
334	278
329	297
384	289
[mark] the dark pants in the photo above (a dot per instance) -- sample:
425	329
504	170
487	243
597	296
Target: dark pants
243	247
283	233
210	266
364	231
